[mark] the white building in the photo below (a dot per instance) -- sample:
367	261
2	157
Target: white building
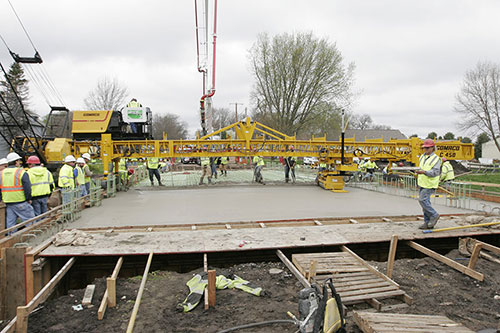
490	151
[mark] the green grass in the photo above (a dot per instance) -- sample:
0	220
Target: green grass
483	178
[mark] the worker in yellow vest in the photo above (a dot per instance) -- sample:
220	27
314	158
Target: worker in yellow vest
153	163
428	182
223	165
42	185
258	163
447	172
87	172
134	104
80	176
205	169
15	187
66	174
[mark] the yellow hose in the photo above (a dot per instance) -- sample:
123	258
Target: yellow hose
461	227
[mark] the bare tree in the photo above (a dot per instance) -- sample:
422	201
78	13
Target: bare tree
171	125
221	117
295	74
361	122
109	94
478	101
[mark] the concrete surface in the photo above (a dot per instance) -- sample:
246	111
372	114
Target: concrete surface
243	203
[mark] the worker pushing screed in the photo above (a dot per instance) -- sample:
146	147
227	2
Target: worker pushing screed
428	181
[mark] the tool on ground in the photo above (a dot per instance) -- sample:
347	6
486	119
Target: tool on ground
461	227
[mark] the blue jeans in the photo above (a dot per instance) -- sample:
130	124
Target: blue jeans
87	187
39	205
424	198
83	190
22	210
213	167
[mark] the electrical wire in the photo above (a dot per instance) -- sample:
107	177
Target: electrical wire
22	25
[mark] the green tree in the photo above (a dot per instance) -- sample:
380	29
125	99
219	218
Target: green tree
466	139
432	135
414	136
295	75
449	136
478	145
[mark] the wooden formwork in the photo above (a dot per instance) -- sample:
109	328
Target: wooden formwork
370	322
354	279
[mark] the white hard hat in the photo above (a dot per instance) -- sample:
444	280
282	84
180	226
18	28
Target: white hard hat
3	161
11	157
86	155
80	160
69	158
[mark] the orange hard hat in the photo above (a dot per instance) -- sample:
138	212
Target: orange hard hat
428	143
33	160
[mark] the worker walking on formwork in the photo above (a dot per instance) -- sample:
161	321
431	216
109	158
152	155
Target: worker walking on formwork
153	165
205	169
290	163
15	188
42	185
428	182
258	164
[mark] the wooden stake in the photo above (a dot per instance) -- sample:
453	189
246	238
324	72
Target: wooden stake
453	264
131	323
474	256
392	255
205	269
312	270
211	288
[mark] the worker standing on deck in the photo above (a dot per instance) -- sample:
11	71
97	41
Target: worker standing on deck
223	165
15	187
87	172
290	163
66	175
205	169
134	104
258	163
80	176
153	163
42	185
447	172
428	182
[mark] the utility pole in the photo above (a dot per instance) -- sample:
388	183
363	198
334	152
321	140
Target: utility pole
236	110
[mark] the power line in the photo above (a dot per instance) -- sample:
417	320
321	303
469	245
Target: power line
22	25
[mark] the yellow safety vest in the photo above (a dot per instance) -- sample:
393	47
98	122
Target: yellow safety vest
11	185
87	178
426	163
134	105
41	179
224	160
80	177
447	172
258	160
322	165
205	161
122	166
66	177
153	162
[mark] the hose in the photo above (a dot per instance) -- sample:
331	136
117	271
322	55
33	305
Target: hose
263	323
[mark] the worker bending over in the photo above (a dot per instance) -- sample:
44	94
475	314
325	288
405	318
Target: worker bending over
428	182
42	185
15	187
258	163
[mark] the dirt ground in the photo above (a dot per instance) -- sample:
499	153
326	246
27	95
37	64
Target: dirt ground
436	289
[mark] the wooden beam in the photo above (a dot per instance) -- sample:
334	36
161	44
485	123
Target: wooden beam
111	283
392	255
205	269
131	323
474	256
293	269
87	296
24	311
489	247
29	277
102	307
312	270
211	287
370	267
453	264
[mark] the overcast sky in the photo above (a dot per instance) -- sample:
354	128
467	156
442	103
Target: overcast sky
410	56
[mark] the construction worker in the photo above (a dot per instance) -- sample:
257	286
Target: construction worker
223	165
290	163
87	172
134	104
66	174
258	163
153	164
370	169
428	181
213	167
3	163
42	185
80	176
447	172
205	169
15	187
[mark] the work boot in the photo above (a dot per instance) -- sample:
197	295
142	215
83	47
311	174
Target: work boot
152	184
286	180
201	181
209	180
160	184
424	226
433	221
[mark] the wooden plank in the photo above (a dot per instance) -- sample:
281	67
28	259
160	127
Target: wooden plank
228	226
361	298
3	284
373	270
317	222
348	283
11	326
211	288
367	291
131	323
262	225
353	221
378	284
205	269
453	264
102	307
23	311
87	296
392	255
312	270
374	303
111	284
474	256
29	276
489	247
293	269
14	283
